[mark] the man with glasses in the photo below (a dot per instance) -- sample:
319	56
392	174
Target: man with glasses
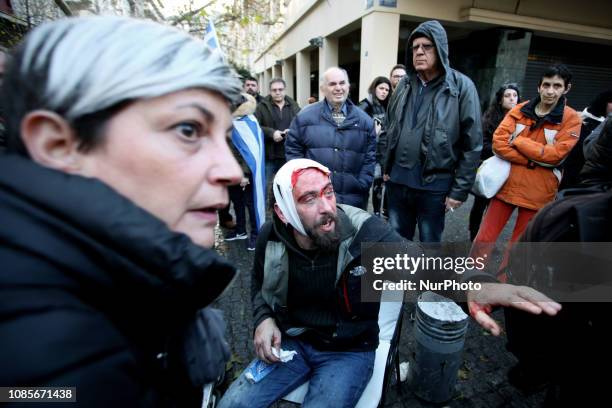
433	139
396	75
274	114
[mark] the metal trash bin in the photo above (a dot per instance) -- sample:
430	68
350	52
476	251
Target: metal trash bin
439	330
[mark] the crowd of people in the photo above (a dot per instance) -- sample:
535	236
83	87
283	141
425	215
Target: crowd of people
118	166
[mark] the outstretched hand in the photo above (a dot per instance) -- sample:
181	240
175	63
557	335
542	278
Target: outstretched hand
499	294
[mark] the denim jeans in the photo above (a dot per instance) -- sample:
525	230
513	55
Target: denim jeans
337	379
409	206
272	167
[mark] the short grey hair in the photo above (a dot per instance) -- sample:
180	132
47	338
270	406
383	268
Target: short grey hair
79	66
322	77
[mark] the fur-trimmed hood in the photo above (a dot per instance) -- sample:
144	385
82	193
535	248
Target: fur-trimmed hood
247	107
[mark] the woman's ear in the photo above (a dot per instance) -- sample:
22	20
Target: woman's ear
50	141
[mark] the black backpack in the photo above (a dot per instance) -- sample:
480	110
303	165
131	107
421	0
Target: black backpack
578	215
567	348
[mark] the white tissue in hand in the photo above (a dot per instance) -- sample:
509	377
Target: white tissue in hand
403	371
284	355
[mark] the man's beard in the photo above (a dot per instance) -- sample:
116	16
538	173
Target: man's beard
327	241
251	92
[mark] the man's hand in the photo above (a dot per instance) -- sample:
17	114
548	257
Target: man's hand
278	136
386	177
452	204
267	335
499	294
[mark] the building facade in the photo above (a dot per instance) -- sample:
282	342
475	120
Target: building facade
491	41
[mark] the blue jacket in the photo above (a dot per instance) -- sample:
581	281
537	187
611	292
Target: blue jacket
348	150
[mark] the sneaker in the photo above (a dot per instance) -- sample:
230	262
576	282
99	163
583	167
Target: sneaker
233	236
252	242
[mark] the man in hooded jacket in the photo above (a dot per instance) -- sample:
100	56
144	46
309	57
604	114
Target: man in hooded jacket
433	140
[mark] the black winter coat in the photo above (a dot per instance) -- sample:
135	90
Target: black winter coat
597	169
348	150
93	289
575	160
264	114
373	108
452	134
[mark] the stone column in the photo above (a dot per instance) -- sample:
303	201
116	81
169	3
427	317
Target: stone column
276	71
509	63
263	86
328	54
379	42
288	74
302	67
260	79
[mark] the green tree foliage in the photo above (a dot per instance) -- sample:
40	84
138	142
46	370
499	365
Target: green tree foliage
240	24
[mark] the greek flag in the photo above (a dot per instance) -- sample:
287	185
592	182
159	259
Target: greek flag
210	37
248	139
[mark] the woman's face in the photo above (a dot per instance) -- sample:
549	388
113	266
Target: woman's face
170	156
382	91
510	99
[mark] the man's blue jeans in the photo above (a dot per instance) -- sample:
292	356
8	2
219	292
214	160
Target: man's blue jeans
337	379
409	206
272	167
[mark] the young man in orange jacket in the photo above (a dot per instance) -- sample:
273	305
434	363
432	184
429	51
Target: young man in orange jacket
535	137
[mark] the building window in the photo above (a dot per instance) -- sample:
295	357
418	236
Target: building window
369	3
388	3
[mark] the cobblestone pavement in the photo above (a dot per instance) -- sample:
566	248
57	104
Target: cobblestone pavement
482	377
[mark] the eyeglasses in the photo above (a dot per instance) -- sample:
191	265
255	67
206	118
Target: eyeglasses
426	47
277	89
397	76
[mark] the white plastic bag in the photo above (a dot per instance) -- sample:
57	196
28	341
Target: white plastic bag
491	176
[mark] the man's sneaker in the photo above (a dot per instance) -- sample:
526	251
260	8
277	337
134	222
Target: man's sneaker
233	236
251	244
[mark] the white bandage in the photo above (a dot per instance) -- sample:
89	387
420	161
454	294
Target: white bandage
283	189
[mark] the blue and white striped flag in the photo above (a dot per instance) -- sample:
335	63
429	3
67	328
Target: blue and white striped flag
248	139
210	37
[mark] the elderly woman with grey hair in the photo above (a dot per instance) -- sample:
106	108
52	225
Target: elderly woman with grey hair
117	161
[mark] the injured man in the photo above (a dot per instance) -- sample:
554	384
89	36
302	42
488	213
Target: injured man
310	321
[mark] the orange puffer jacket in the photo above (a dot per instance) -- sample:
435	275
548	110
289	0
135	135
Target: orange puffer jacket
534	153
